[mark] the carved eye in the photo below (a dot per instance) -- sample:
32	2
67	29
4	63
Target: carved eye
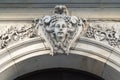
58	26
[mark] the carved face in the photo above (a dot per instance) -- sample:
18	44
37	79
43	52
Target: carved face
60	30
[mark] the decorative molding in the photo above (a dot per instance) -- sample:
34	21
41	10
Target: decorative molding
60	30
107	31
13	33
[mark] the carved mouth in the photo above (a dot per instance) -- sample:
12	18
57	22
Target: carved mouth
60	33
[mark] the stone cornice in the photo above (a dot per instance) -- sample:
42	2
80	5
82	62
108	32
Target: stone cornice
70	4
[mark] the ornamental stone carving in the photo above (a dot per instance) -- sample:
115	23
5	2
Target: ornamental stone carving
16	33
105	31
60	30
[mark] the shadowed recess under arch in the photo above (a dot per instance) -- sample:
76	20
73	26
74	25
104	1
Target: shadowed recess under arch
59	74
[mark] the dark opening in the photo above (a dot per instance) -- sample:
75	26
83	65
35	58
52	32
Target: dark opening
59	74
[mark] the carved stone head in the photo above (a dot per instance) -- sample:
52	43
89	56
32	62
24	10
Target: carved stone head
60	30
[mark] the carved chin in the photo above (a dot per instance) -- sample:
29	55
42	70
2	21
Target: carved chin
60	38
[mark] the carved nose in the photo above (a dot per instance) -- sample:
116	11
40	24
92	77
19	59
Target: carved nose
60	29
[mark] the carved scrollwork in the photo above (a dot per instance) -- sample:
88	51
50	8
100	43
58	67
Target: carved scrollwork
13	33
104	33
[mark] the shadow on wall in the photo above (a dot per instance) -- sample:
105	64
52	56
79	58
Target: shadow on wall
59	74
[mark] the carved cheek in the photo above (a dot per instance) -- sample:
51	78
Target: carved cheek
65	28
57	28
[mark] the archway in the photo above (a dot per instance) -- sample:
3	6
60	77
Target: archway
35	56
31	52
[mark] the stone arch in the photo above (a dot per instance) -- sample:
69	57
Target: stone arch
32	54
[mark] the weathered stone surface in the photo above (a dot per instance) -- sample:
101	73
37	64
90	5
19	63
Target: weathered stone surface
97	54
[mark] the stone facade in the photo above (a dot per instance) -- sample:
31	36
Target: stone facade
93	46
